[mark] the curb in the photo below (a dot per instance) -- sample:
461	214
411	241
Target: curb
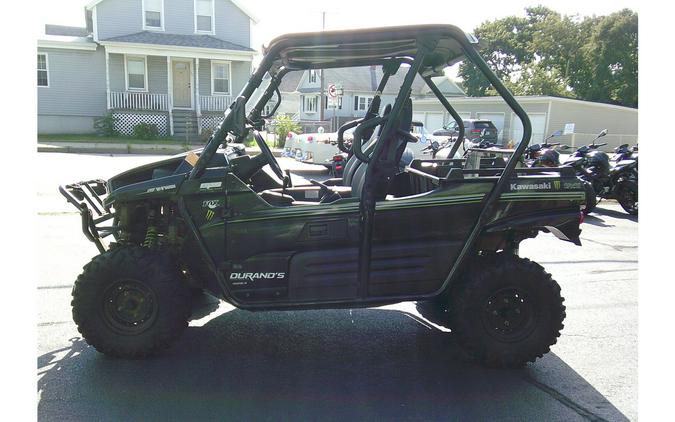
141	149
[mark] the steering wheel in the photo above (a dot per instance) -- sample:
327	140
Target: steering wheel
266	152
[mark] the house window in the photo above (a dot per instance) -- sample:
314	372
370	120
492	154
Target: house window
42	70
312	76
204	16
220	78
136	74
362	103
152	14
310	104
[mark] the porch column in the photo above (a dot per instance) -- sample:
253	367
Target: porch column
169	88
198	106
107	79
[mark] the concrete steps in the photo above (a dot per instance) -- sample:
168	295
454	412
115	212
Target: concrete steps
185	125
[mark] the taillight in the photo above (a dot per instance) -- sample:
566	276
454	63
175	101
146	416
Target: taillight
338	158
310	138
338	168
476	130
290	135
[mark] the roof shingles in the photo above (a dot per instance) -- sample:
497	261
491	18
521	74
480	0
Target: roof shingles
198	41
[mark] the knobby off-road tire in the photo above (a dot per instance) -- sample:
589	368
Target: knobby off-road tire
503	311
130	302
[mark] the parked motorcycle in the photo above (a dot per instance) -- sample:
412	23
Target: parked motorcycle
624	152
618	181
544	154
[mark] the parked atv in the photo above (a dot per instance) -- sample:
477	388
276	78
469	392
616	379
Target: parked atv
619	181
390	230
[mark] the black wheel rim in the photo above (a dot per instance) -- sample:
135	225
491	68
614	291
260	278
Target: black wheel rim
129	307
509	315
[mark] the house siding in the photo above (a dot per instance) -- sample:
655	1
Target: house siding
123	17
157	75
120	17
232	24
76	84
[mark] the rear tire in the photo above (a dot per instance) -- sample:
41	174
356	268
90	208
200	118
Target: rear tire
130	302
627	196
504	310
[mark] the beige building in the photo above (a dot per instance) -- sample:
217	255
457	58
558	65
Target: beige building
547	115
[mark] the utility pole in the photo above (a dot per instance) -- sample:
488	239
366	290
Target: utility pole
321	102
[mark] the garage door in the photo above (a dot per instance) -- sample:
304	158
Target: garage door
497	119
434	121
538	121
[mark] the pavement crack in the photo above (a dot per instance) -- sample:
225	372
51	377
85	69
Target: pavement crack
615	247
47	324
58	286
564	400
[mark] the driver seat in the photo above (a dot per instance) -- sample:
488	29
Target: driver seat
387	167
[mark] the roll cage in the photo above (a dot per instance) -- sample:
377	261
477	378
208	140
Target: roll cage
425	50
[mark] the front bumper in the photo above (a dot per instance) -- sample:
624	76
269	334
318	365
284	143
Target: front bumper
87	197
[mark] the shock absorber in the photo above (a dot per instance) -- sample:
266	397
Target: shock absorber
151	232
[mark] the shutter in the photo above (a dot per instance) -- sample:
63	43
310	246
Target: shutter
356	102
302	99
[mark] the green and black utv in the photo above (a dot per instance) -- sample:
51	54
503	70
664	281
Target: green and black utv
435	231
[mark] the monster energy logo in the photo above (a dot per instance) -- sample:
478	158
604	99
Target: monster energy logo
556	184
209	215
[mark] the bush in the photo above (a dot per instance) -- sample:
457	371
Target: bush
146	131
206	135
250	140
105	126
282	125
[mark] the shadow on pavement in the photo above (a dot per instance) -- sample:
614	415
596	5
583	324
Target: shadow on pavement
596	221
309	365
614	213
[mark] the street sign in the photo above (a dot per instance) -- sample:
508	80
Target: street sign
569	129
332	91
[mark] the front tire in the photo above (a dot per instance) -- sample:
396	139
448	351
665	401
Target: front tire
504	310
627	196
591	198
130	302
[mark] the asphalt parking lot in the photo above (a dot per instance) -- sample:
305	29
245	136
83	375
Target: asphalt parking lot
383	363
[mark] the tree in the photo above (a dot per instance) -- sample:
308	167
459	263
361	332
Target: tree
544	53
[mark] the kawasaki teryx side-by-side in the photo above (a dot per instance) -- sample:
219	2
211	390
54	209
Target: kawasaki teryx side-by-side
435	231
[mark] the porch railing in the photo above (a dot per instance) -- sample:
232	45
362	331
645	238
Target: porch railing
139	101
214	102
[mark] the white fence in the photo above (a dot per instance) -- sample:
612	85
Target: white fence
138	101
214	102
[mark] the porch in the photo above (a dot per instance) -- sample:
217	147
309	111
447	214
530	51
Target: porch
183	96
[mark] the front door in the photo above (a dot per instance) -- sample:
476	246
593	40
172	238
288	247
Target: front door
182	88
